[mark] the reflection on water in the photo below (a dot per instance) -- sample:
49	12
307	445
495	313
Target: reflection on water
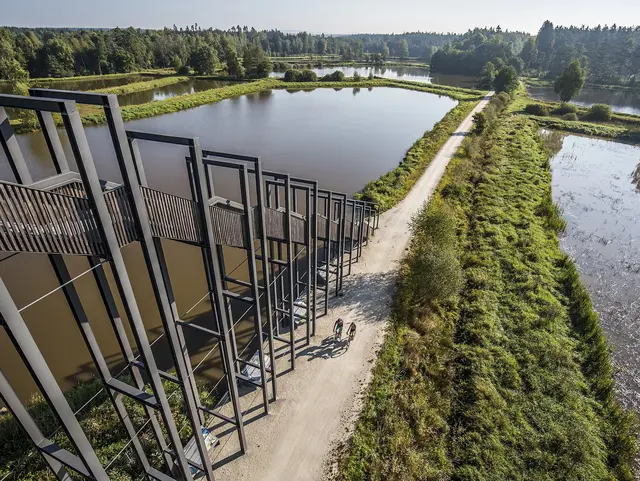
621	100
342	139
414	74
161	93
595	183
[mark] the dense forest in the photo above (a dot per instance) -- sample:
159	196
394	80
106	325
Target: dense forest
609	54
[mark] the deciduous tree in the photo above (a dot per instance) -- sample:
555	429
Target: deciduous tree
570	81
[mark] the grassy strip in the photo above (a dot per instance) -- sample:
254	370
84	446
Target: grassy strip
511	379
184	102
142	86
393	186
614	132
535	390
538	82
522	100
43	80
403	428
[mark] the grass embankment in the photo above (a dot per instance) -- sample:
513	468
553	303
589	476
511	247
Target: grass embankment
103	428
510	378
79	78
184	102
142	86
540	82
393	186
623	127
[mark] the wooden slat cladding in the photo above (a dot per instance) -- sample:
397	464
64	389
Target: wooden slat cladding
34	220
72	189
228	227
46	222
121	216
275	220
170	216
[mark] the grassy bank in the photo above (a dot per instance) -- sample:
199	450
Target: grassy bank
623	127
142	86
184	102
393	186
510	378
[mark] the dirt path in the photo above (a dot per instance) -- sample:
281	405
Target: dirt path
319	401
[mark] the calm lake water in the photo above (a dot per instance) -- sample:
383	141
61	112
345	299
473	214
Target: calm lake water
414	74
623	101
183	88
597	184
342	138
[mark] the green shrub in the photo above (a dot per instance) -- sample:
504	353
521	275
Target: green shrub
290	75
537	109
300	76
570	116
564	109
479	122
183	70
434	272
599	113
337	76
307	76
356	77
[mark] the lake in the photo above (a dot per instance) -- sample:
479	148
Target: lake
341	138
161	93
621	100
414	74
597	185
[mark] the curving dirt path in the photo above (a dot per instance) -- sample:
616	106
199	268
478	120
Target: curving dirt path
319	402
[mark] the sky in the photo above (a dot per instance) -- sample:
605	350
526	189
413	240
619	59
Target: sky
327	16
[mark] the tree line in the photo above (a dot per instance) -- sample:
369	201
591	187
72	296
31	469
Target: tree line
609	55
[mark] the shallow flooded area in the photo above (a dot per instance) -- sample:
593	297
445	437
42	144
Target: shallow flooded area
621	100
414	74
341	138
190	86
597	185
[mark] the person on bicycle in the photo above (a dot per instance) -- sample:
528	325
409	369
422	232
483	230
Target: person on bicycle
337	328
352	331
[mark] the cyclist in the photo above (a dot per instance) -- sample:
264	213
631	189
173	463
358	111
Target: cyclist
337	329
352	332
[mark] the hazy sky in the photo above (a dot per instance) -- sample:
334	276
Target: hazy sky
330	16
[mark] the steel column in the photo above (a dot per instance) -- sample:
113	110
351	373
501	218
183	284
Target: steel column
253	277
52	140
12	150
265	270
289	249
214	278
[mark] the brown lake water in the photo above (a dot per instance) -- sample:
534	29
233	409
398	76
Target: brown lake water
597	185
414	74
161	93
341	138
621	100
